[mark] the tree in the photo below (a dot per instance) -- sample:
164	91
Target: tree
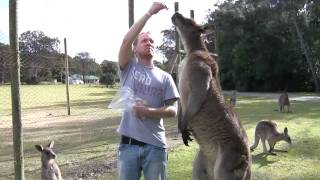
109	73
85	60
167	48
36	42
5	60
257	49
108	79
37	51
109	67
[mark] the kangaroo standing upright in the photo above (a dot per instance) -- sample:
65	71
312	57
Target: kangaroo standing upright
49	168
224	151
284	102
233	98
267	130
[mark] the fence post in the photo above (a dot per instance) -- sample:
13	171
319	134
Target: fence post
192	14
15	93
131	12
67	74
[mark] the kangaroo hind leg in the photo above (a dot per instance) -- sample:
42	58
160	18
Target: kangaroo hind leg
200	167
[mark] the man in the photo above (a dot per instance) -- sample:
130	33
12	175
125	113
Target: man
143	146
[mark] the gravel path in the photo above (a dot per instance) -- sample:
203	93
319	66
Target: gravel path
275	96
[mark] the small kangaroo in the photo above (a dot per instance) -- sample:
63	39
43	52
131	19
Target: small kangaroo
233	98
224	150
49	168
284	101
267	130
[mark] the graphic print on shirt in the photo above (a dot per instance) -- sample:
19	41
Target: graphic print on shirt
143	84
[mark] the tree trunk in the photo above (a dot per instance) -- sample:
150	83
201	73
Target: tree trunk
304	48
2	76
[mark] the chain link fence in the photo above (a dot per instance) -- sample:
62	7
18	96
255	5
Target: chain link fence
85	140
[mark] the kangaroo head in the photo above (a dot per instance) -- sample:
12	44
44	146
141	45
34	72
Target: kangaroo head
46	152
190	32
286	135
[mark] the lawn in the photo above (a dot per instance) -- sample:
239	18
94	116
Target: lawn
86	141
303	158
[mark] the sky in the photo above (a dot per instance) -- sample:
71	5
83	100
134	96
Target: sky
95	26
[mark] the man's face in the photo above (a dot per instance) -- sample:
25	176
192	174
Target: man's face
145	46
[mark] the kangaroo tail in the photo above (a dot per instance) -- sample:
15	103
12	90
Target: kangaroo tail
256	141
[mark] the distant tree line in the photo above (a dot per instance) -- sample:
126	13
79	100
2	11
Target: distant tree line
264	45
41	60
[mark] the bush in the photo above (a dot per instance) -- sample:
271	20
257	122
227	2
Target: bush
109	79
33	80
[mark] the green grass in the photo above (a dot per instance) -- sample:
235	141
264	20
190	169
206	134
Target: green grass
87	136
87	139
302	161
303	158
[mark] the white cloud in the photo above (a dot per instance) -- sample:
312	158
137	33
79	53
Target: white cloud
95	26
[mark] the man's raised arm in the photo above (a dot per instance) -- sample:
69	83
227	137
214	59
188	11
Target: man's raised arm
125	52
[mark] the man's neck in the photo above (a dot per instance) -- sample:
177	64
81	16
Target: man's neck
146	62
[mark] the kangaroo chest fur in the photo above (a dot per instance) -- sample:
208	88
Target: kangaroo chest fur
214	124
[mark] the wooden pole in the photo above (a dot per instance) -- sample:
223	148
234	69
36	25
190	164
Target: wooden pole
192	14
177	47
67	74
172	66
15	93
131	12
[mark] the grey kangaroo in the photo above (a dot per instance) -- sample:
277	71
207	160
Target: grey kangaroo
233	98
267	130
49	168
224	152
284	102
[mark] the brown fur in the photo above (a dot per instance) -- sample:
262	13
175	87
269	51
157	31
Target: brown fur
49	168
224	151
266	130
283	102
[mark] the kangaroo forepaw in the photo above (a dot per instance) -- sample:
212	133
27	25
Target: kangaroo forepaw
186	137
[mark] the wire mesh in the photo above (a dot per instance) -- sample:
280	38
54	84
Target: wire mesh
82	139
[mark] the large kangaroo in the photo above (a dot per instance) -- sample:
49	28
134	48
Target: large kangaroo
267	130
284	101
49	168
224	151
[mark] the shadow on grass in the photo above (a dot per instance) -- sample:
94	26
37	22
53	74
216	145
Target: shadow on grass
262	159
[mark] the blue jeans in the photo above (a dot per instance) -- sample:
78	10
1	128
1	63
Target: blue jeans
151	160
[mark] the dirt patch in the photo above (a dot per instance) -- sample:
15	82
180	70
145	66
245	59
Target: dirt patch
96	169
90	170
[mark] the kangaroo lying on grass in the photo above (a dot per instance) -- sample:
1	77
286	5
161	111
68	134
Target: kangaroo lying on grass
224	151
284	101
267	130
49	168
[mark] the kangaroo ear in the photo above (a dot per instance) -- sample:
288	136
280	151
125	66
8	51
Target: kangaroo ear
207	29
285	130
50	145
39	147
